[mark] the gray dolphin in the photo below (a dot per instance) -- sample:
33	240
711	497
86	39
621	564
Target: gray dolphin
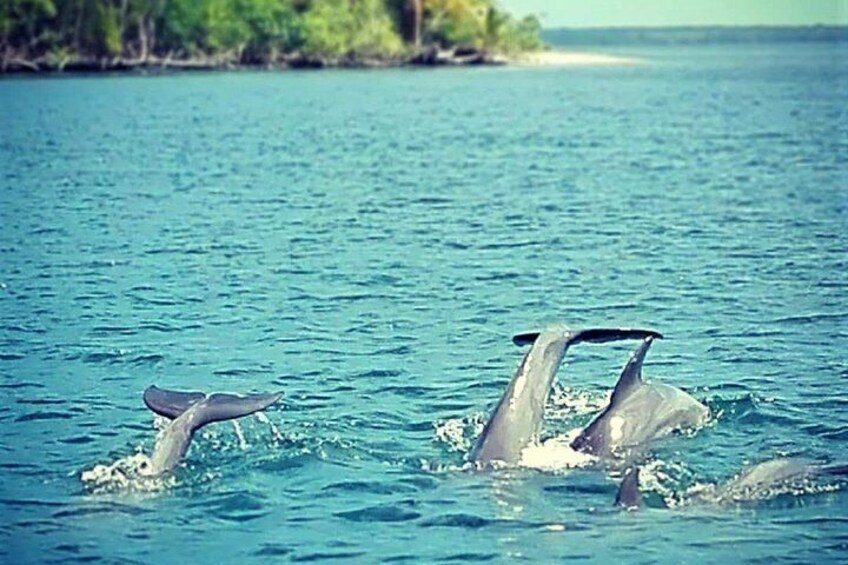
758	482
516	421
638	412
190	411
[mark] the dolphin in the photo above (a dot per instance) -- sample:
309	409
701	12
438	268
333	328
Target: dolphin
758	482
516	421
638	413
190	411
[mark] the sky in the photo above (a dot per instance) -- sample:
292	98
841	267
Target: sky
610	13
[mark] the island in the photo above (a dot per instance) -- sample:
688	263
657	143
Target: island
119	35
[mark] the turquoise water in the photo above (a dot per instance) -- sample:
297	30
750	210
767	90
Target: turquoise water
368	242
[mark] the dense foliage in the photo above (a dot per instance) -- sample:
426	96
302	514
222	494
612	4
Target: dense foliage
253	31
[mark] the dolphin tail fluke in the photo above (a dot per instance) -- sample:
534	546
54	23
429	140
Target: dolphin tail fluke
604	335
220	407
212	408
629	495
593	335
170	403
190	412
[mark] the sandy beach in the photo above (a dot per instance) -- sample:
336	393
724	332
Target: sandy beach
570	59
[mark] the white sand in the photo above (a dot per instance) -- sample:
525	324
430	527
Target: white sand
570	59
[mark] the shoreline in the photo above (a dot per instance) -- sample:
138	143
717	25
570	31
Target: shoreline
557	58
431	57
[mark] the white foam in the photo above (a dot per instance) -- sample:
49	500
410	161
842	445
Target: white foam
459	433
125	474
555	454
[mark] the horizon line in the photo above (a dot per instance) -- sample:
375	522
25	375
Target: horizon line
701	26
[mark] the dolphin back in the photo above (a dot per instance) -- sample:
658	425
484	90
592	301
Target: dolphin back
516	421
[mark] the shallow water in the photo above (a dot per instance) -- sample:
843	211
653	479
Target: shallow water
368	242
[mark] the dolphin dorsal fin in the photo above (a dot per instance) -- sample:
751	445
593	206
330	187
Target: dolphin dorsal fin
629	495
631	375
170	403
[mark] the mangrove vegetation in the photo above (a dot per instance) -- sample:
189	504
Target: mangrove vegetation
115	34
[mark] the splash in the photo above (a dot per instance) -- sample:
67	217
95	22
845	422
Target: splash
126	474
130	474
459	433
566	403
556	454
553	454
667	479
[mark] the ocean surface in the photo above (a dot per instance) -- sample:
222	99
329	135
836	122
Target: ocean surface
367	242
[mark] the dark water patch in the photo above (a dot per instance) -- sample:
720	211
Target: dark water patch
25	329
101	357
178	250
76	440
100	508
157	326
399	512
41	401
811	318
495	277
327	556
511	245
12	356
469	557
378	374
148	359
459	520
370	487
408	391
14	465
812	520
236	372
23	503
103	331
405	558
236	507
578	489
47	415
273	550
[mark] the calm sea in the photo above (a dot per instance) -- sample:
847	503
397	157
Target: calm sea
368	243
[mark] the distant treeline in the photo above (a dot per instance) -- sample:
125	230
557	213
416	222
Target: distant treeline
693	35
252	31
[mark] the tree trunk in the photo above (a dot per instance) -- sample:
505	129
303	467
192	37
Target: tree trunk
417	14
78	25
123	24
142	39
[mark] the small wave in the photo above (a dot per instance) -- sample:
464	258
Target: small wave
11	356
339	555
382	513
102	508
102	331
46	415
272	550
236	506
